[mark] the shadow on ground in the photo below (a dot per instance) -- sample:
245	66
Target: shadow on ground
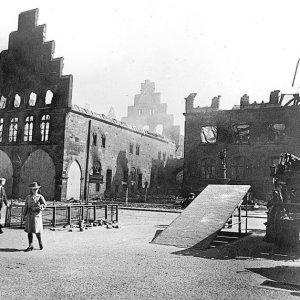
10	250
247	247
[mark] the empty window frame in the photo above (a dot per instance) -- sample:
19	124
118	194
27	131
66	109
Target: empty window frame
13	130
45	125
208	168
137	150
131	148
241	133
108	179
276	132
240	168
28	129
1	129
48	97
2	102
17	101
208	134
32	99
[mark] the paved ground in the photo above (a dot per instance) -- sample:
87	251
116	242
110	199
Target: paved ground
122	264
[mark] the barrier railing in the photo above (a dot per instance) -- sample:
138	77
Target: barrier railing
64	215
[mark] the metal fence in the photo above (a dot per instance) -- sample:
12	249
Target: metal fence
64	215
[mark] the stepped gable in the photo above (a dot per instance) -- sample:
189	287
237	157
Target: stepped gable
28	65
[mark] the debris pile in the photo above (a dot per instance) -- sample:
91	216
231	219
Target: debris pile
82	225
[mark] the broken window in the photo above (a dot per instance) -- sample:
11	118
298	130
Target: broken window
28	129
103	140
137	150
240	168
241	133
131	148
45	125
17	100
97	169
209	134
208	168
48	98
276	132
1	128
32	99
13	129
2	102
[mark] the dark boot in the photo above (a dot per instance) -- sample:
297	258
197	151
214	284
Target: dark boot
39	237
1	231
30	240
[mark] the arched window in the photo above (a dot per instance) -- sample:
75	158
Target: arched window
208	168
17	100
1	128
32	99
45	124
13	129
28	129
2	102
49	96
240	168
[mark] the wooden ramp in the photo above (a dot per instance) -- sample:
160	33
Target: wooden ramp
200	222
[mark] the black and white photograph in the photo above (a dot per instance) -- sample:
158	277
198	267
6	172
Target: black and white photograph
150	149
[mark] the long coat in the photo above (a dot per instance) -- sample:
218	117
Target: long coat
3	197
33	212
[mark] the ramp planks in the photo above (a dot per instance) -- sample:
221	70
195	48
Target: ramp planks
204	217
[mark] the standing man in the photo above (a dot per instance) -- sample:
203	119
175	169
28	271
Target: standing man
3	198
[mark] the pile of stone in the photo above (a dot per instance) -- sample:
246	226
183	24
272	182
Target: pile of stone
82	225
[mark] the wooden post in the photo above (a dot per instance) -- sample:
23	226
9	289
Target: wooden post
82	213
117	213
95	213
106	208
240	220
112	213
246	224
22	217
69	215
54	216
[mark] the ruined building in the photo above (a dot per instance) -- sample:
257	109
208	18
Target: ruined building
253	136
71	151
150	114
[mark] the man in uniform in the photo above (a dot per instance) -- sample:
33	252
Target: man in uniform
3	199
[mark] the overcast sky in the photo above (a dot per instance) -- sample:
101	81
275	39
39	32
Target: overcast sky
219	47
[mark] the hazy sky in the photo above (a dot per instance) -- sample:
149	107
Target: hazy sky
219	47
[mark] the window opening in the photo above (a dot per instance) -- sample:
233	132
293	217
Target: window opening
103	140
241	133
13	129
49	97
17	101
32	99
208	169
2	102
28	129
108	179
95	139
45	124
137	150
208	134
1	128
276	132
159	155
131	148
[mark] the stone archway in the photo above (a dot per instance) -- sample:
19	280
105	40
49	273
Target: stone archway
6	171
74	181
38	167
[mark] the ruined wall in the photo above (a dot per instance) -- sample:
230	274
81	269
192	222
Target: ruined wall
253	139
149	112
34	97
110	144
